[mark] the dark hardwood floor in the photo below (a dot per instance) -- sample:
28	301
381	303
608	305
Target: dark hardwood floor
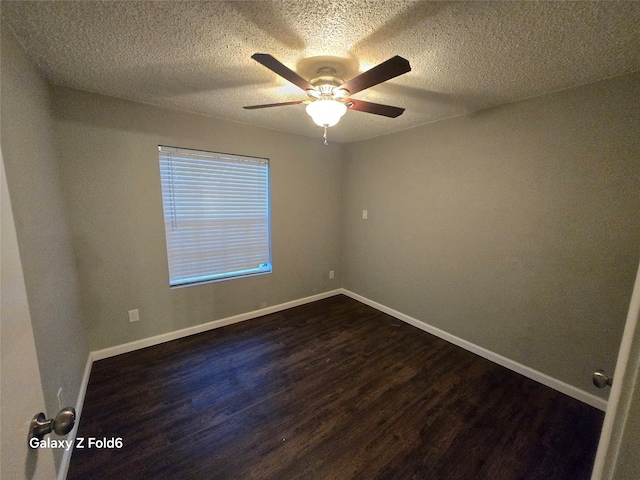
329	390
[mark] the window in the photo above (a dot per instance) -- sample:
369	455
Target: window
216	215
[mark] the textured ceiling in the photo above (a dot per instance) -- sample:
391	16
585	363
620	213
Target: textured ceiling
196	56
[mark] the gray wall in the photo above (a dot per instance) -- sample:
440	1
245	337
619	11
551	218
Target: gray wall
109	159
42	227
515	228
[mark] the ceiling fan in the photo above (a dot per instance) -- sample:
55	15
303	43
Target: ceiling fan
329	96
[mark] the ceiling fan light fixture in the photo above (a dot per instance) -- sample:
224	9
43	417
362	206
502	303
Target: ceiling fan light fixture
326	112
329	95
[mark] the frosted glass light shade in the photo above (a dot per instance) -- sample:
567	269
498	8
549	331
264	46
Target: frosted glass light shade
326	112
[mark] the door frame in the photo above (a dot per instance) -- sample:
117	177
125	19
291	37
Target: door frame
625	384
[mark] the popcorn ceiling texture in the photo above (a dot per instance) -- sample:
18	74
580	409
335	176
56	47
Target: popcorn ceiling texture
196	56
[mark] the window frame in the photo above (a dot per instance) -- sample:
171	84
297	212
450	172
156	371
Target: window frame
171	217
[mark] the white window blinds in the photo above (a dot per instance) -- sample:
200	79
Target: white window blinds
216	215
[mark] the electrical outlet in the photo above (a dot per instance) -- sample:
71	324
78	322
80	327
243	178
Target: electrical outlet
365	214
331	274
134	315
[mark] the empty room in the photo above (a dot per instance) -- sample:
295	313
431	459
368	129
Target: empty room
320	240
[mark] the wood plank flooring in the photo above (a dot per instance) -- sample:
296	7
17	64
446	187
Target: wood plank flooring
329	390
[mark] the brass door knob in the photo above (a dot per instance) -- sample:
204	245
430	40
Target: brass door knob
61	425
601	380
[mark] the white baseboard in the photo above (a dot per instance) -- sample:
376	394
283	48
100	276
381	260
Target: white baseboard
528	372
66	456
167	337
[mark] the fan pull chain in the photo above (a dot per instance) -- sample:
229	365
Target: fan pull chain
325	135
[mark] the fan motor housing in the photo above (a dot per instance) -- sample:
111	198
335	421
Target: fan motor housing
326	84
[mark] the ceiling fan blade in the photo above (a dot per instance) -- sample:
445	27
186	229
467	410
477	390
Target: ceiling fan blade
281	69
376	108
380	73
253	107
